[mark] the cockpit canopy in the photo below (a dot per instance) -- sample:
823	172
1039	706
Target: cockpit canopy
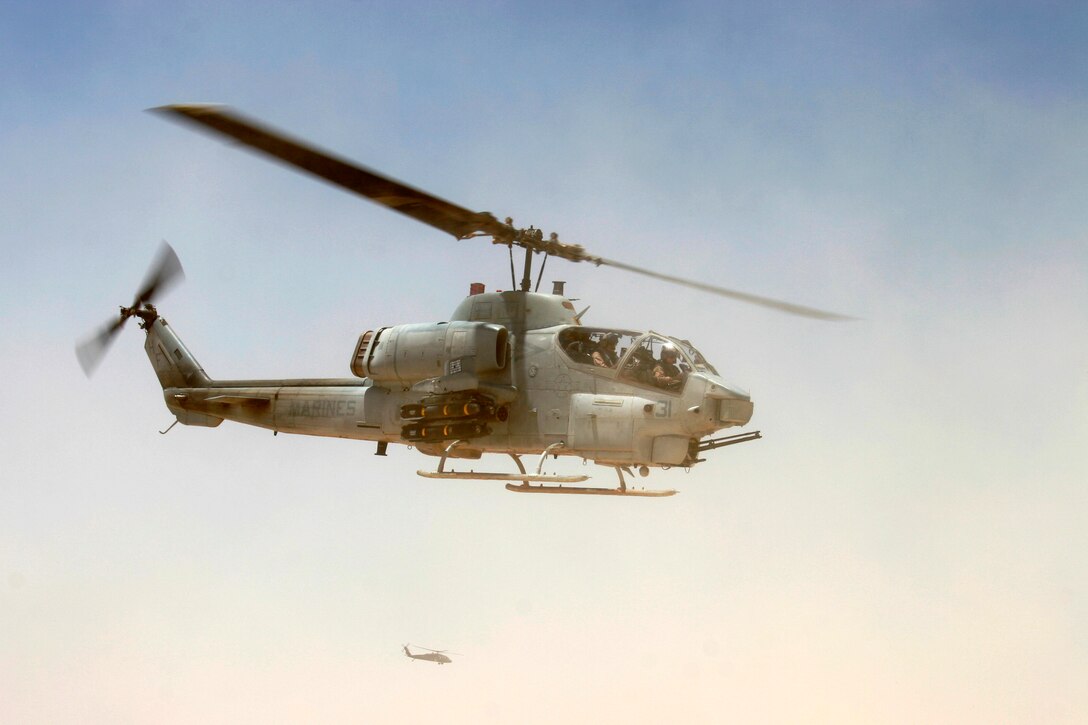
646	358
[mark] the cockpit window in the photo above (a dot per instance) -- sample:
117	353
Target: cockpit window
658	362
697	358
647	359
601	348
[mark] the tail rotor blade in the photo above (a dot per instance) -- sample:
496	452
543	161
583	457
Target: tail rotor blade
165	272
91	351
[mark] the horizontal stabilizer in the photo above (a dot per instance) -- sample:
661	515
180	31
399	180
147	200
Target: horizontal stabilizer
255	399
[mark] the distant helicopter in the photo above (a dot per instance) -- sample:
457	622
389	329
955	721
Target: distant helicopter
437	656
511	372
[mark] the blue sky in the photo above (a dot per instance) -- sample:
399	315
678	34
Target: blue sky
905	544
1030	50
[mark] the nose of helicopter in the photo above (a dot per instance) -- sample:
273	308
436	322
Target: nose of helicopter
734	405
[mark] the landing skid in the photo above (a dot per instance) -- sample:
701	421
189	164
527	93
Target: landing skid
526	488
585	491
484	476
539	476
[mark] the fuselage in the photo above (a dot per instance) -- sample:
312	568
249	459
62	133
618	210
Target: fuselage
545	395
430	657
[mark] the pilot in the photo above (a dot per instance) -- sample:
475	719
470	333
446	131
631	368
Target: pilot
580	349
605	354
667	373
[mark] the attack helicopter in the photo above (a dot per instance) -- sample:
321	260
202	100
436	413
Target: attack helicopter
438	656
512	372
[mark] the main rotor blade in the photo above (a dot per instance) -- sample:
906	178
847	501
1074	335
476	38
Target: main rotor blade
91	351
419	205
773	304
424	207
164	272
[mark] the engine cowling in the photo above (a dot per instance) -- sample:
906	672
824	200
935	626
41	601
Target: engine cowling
408	354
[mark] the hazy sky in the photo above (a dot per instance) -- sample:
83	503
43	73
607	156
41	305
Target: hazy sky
906	544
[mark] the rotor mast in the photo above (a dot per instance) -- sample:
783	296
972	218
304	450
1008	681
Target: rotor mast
526	277
532	240
537	236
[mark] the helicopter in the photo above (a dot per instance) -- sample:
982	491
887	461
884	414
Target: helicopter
438	656
512	372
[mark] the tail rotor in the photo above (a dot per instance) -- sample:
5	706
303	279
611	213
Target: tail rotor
165	271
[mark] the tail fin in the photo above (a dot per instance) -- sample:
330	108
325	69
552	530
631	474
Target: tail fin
174	365
176	369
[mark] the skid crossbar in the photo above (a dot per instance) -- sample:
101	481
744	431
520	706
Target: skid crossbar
487	476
